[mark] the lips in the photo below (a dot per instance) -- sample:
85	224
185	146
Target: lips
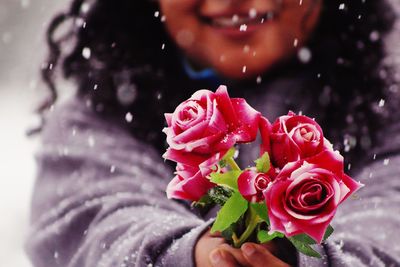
237	21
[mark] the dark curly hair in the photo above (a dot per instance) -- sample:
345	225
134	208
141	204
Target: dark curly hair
134	64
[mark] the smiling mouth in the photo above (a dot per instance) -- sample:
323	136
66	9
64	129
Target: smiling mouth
237	21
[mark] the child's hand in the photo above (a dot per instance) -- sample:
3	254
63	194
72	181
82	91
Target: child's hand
213	251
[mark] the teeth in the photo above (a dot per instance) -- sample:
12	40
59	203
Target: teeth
238	21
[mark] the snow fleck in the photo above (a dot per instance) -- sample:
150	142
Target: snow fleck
91	141
112	168
295	42
381	103
246	49
222	58
340	245
349	142
349	118
156	14
349	167
25	3
243	28
79	22
126	93
259	79
304	55
244	69
342	6
159	95
163	46
236	154
129	117
95	86
374	157
55	254
86	52
163	18
383	74
235	18
252	13
85	7
394	88
386	162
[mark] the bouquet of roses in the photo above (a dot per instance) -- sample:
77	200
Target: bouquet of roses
293	189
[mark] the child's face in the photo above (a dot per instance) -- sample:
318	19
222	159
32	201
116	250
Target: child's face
213	33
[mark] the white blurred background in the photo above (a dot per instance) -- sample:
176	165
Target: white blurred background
22	49
22	27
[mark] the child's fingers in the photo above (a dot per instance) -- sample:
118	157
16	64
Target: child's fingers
222	258
258	256
236	253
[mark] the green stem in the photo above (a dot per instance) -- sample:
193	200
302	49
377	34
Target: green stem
253	221
233	164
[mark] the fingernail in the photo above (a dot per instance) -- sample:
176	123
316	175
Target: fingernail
215	256
248	249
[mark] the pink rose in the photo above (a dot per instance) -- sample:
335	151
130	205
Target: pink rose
204	162
251	185
188	184
210	122
294	137
305	195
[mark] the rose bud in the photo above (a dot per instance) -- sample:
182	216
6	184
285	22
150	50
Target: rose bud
305	195
251	185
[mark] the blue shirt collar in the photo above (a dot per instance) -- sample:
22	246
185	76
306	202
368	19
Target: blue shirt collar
207	74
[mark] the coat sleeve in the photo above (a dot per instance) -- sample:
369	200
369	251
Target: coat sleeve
367	226
99	199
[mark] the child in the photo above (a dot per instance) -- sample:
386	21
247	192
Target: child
100	197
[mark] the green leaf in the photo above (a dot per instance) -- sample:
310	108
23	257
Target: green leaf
328	232
304	239
261	210
227	179
304	248
263	164
234	207
263	236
